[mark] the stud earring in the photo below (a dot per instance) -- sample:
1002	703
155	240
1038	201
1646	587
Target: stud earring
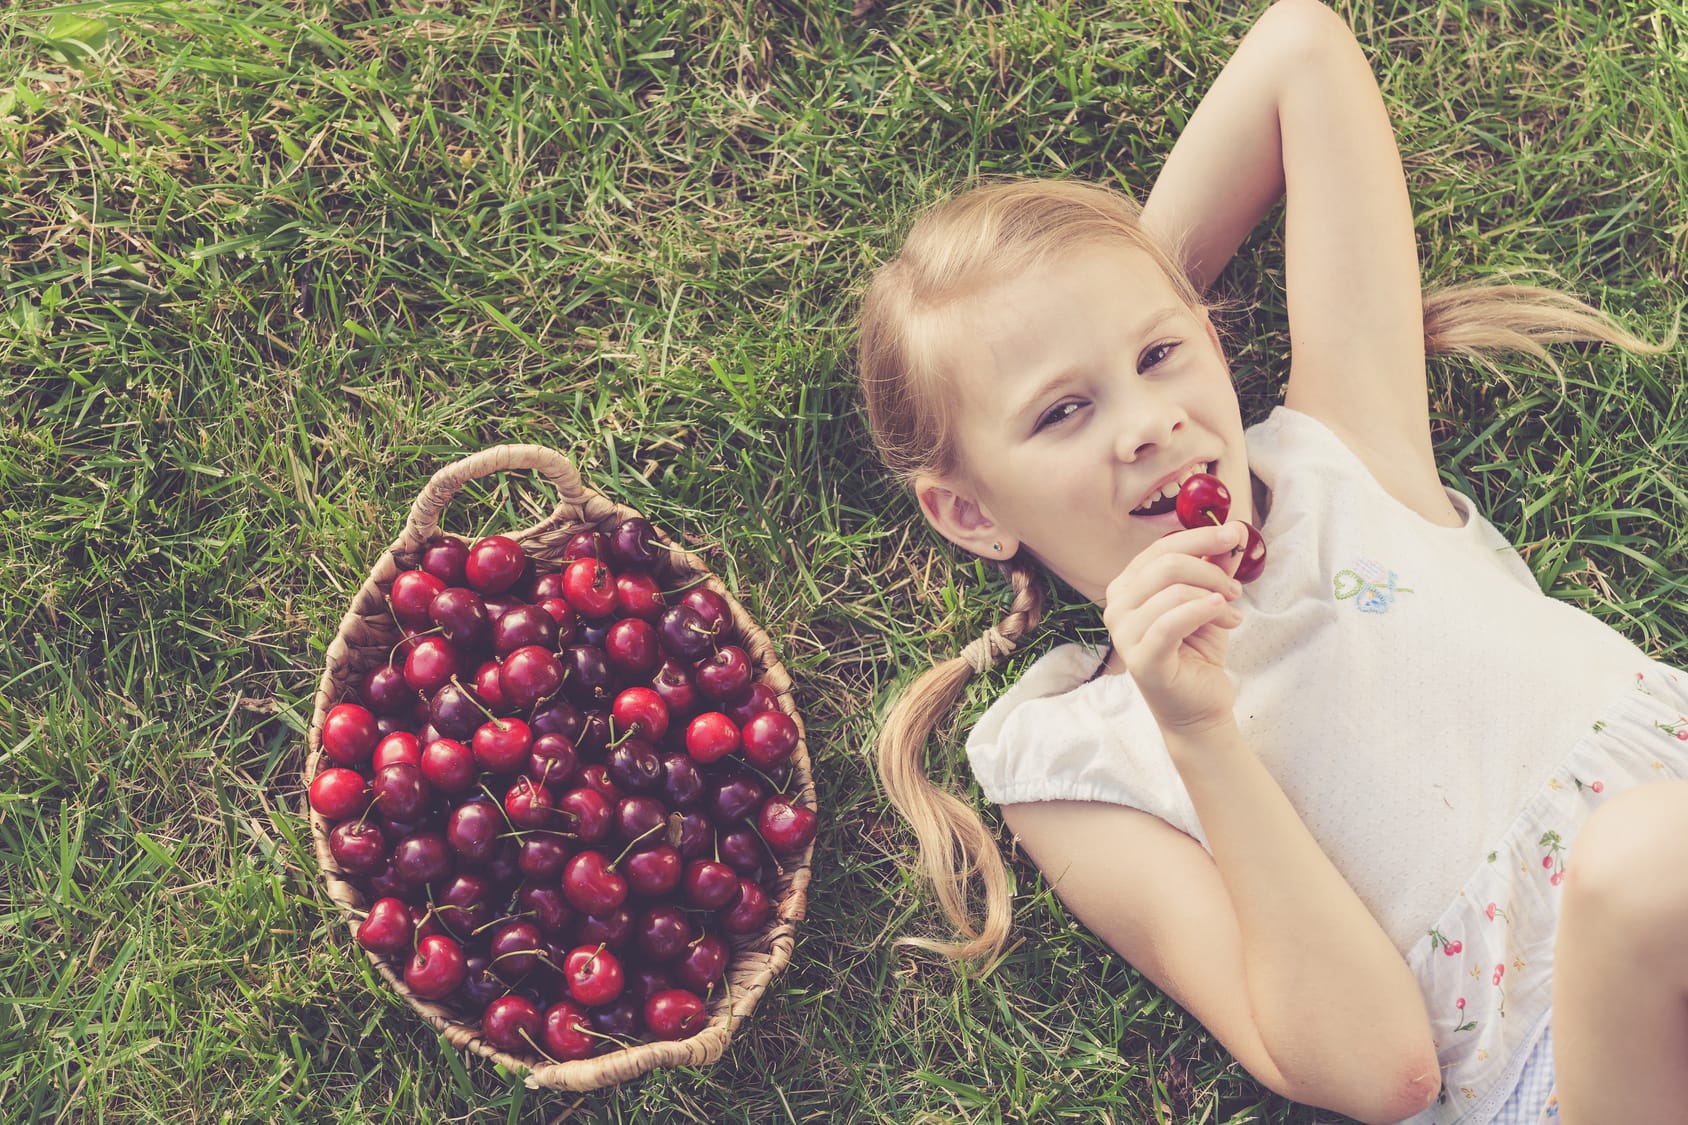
996	548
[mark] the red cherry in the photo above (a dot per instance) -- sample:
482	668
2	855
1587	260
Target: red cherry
708	884
758	699
589	587
473	830
638	596
511	1023
769	739
436	968
710	606
787	828
726	674
566	1032
641	711
386	692
711	736
431	664
632	649
1254	557
515	949
489	687
494	564
529	804
529	674
1203	501
594	975
587	813
654	872
501	745
388	928
400	746
448	765
349	734
412	591
591	885
675	1014
338	793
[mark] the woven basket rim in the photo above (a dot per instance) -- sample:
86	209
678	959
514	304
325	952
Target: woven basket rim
756	959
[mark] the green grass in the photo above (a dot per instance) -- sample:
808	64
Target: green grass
266	266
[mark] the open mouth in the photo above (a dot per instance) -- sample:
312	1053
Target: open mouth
1166	498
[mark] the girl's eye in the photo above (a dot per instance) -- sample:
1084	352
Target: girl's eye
1155	356
1058	413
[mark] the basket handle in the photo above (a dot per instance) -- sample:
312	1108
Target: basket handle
423	522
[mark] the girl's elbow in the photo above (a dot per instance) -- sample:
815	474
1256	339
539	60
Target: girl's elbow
1377	1096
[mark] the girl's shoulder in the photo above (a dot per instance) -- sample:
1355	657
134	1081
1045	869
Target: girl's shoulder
1405	470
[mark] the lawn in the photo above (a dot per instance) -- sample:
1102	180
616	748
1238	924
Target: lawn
266	266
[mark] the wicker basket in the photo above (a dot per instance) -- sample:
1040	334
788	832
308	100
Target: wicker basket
368	633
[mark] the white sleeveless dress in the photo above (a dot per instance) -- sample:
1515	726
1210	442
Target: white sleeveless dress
1443	728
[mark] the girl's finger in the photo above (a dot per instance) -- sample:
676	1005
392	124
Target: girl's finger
1160	641
1198	545
1129	626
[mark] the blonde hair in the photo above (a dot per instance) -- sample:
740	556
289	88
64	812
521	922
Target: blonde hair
960	249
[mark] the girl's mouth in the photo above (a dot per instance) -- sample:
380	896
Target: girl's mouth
1166	497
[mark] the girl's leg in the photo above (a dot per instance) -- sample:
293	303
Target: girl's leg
1620	988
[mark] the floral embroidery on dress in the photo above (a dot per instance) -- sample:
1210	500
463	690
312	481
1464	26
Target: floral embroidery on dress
1371	584
1677	730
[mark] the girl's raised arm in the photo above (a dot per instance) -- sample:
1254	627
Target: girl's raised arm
1296	111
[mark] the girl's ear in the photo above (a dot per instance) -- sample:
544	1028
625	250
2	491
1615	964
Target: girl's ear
1213	333
960	519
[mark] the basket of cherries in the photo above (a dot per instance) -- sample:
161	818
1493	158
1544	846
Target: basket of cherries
559	789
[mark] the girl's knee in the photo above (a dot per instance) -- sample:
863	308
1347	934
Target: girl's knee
1630	862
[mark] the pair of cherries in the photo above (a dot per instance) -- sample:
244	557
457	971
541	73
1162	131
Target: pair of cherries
1204	500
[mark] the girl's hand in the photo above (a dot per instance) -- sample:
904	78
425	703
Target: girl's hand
1167	613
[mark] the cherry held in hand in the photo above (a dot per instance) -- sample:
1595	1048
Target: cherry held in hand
1204	501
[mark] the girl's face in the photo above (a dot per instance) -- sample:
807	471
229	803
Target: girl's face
1087	391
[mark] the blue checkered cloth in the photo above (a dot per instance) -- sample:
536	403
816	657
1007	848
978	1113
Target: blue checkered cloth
1532	1101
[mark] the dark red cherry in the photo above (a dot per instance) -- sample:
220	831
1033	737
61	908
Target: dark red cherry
654	872
675	1014
448	765
711	607
567	1032
663	932
515	949
702	963
511	1023
708	884
587	680
683	633
639	710
473	830
1254	557
788	828
631	648
587	545
422	857
521	626
749	911
725	675
462	616
358	847
401	792
431	664
386	692
769	740
634	544
454	711
443	557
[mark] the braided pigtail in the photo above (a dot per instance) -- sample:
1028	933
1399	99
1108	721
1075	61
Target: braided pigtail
953	841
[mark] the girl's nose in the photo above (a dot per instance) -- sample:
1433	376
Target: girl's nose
1149	425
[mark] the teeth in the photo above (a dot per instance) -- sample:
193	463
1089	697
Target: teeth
1170	489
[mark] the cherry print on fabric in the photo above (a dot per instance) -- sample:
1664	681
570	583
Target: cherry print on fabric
1486	963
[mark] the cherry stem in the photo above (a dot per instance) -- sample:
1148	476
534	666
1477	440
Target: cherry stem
543	1053
479	706
634	842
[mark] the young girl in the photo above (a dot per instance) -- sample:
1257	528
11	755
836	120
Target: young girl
1403	832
